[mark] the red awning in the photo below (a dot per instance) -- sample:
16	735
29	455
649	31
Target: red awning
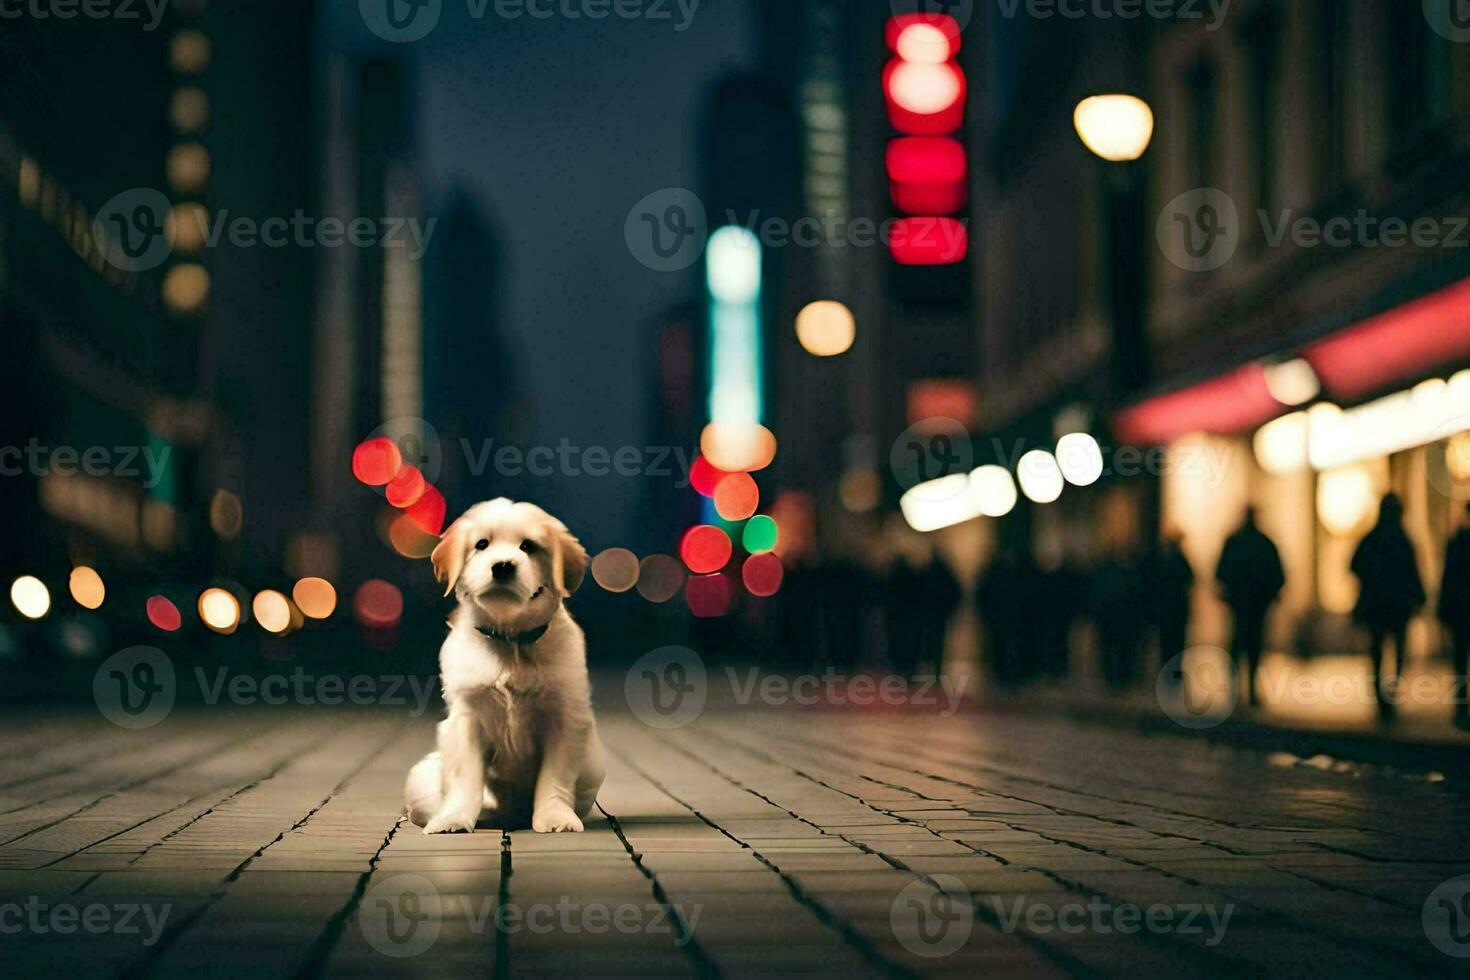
1402	344
1235	403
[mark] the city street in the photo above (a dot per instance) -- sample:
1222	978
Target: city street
752	842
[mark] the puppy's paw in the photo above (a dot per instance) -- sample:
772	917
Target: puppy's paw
556	819
450	823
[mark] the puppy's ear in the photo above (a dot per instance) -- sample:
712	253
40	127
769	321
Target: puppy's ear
448	556
568	559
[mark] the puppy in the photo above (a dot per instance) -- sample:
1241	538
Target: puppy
520	743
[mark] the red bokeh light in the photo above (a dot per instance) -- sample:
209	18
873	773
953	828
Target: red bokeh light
928	241
924	100
163	614
703	477
378	604
376	461
737	497
407	488
705	549
709	596
429	510
762	574
926	174
943	23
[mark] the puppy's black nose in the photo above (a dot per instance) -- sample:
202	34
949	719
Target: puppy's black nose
503	571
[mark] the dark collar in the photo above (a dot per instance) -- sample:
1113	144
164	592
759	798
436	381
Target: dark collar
514	639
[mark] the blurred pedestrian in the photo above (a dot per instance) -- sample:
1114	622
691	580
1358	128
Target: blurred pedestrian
1171	587
1454	612
1250	578
997	597
1117	604
1390	594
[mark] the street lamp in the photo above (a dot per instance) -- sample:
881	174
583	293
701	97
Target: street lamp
1116	127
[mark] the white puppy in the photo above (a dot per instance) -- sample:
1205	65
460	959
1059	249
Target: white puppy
520	743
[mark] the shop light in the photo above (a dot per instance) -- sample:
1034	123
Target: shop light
1080	458
734	265
941	503
1115	127
30	597
825	328
1346	499
1281	446
996	490
1293	382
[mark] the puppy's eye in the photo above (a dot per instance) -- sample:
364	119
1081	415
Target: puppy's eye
481	544
530	547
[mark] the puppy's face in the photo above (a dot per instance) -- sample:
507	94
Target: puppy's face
513	560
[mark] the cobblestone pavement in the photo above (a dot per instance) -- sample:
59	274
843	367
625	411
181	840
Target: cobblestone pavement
749	843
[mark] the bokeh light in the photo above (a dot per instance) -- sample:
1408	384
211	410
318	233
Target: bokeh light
272	611
995	490
163	614
737	497
925	44
188	52
376	461
378	604
734	265
737	448
1293	382
761	535
1080	459
1041	477
186	288
188	227
410	540
660	577
86	587
925	88
704	477
1115	127
1346	500
709	596
316	597
406	488
219	610
616	569
187	167
762	574
825	328
428	511
705	549
226	515
30	597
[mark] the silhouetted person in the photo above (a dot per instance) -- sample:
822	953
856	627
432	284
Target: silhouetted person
1391	591
1117	606
1171	585
920	602
1250	577
1454	612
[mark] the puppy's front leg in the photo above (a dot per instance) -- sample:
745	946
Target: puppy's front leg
556	783
462	745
